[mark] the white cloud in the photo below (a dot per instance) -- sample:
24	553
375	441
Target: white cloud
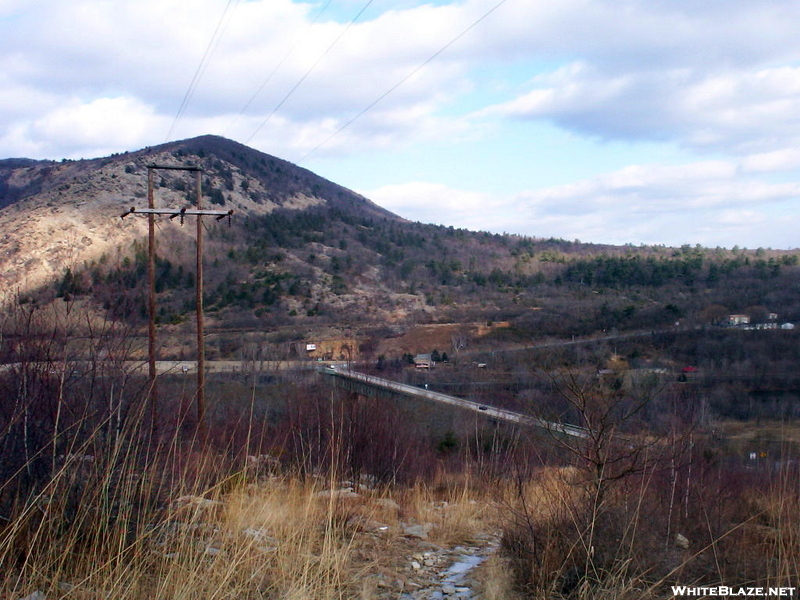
719	81
436	203
99	127
735	111
659	189
150	50
706	202
428	199
785	159
634	70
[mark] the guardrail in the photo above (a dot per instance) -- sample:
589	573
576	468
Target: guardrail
483	409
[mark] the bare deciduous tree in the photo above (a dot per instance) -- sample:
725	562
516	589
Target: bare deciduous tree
458	341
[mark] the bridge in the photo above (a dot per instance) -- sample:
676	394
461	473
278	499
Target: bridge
370	385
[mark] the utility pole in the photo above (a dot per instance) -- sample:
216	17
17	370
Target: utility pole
151	211
151	304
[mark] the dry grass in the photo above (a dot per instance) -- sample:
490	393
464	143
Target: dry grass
273	540
497	580
458	505
776	431
290	537
118	527
284	537
554	546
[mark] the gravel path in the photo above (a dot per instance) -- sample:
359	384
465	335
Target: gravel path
448	572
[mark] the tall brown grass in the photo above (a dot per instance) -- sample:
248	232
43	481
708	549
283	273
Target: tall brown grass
94	504
194	526
739	528
283	536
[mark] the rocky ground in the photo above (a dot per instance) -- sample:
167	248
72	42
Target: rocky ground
432	552
299	540
440	573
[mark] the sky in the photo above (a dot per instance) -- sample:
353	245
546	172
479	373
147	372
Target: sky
624	122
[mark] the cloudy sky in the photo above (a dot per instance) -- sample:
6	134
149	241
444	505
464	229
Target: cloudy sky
626	121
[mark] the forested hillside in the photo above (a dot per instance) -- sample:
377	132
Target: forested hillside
672	364
323	265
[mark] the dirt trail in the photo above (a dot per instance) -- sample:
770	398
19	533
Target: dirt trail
449	572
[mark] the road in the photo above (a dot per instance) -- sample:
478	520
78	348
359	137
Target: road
172	367
487	411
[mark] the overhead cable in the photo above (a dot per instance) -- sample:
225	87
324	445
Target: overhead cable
401	82
308	72
212	44
277	67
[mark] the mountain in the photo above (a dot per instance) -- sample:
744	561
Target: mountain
302	254
59	215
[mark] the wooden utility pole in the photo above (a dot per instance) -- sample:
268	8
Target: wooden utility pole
201	346
151	305
151	211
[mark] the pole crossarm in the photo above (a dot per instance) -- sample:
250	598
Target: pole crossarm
178	212
151	211
176	167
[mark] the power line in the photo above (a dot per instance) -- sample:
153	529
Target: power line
401	82
151	211
212	44
277	67
307	73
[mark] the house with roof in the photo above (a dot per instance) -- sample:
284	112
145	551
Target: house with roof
737	320
423	361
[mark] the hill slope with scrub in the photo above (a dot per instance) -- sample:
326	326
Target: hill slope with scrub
303	253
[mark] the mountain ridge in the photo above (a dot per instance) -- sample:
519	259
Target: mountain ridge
52	211
303	254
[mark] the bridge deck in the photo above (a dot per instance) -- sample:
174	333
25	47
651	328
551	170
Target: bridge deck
488	411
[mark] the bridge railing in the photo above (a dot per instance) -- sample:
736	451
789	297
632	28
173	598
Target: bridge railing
488	411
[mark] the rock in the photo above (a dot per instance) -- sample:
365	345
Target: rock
448	583
263	464
417	531
388	504
681	541
265	542
367	481
196	502
37	595
362	523
415	565
184	500
259	535
345	492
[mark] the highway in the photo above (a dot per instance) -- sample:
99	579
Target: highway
487	411
168	367
188	367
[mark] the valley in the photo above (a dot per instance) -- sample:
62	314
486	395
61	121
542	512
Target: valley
663	384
